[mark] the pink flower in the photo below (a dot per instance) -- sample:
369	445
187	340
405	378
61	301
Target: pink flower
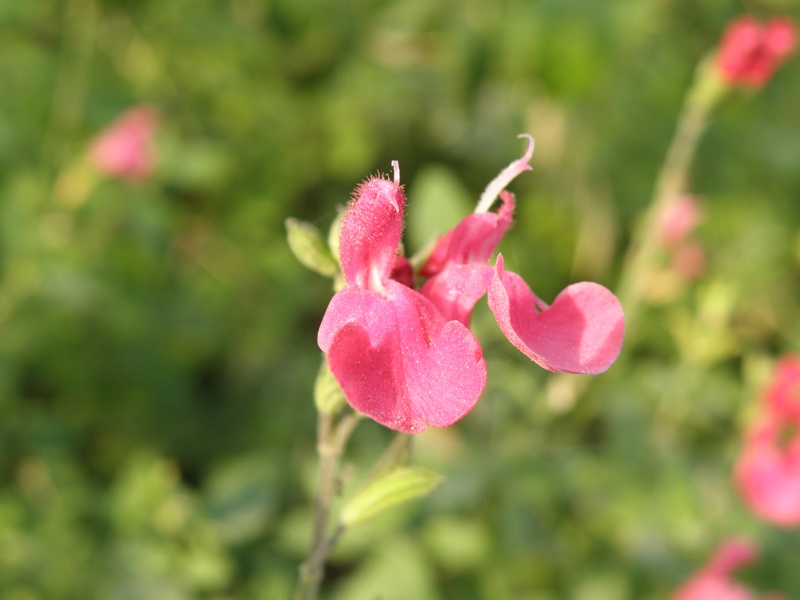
397	358
124	148
751	52
768	469
679	219
689	260
674	227
406	358
713	582
783	394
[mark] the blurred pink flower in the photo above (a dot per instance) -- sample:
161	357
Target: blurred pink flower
783	393
679	219
406	358
674	227
768	468
751	52
689	260
713	581
124	148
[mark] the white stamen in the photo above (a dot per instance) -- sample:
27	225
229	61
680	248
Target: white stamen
506	176
396	167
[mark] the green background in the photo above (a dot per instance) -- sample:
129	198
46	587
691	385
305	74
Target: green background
158	342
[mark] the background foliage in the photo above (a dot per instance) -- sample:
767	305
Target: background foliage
157	342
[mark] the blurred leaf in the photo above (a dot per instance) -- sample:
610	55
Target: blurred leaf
438	200
308	247
328	395
242	496
397	487
458	543
201	166
395	570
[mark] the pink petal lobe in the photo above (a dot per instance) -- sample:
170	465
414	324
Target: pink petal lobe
581	332
473	240
399	361
769	475
371	232
355	305
713	581
780	37
705	587
369	377
457	289
443	364
731	555
739	44
783	395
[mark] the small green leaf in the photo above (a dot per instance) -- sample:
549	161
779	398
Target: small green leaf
397	487
328	395
335	233
308	246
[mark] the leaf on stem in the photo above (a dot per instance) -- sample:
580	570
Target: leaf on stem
397	487
328	395
307	244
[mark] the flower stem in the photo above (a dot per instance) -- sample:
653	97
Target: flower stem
707	89
332	436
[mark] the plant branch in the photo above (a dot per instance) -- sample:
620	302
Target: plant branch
332	437
707	89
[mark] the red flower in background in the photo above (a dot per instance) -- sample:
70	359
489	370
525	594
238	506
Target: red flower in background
406	358
678	220
674	226
714	582
783	394
750	52
124	148
768	469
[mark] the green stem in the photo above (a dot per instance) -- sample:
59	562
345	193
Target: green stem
79	26
707	89
332	436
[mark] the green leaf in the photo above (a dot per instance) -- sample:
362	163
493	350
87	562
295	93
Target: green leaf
335	233
308	246
397	487
328	395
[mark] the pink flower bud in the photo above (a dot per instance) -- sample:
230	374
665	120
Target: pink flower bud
751	52
678	219
124	148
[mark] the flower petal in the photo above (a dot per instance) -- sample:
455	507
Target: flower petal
371	232
783	394
399	361
780	37
580	333
768	475
714	581
506	176
371	377
473	240
457	289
